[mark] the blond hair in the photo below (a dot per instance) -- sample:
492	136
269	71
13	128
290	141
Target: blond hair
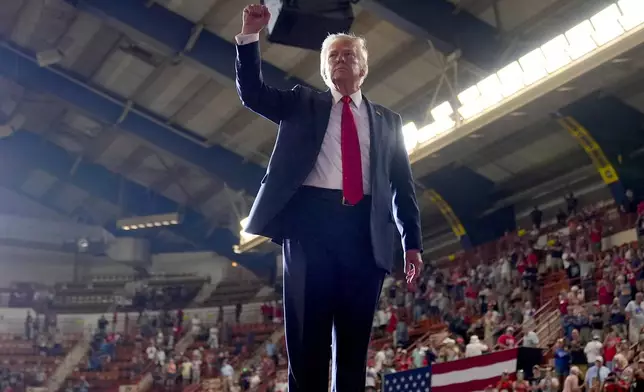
359	42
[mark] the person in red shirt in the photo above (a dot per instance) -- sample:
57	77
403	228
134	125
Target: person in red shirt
611	384
177	331
265	313
532	260
610	348
471	296
604	293
404	362
507	340
271	311
521	384
278	313
504	384
630	277
521	265
563	303
596	236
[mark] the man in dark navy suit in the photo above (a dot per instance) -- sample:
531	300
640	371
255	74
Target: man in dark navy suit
338	176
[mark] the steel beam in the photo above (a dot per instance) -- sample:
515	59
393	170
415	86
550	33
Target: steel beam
237	172
444	24
174	31
30	151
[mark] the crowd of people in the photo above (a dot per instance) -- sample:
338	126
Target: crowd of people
486	303
491	308
214	352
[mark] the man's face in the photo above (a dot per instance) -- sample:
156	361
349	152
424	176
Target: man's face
343	64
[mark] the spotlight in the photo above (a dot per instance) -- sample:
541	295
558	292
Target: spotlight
83	245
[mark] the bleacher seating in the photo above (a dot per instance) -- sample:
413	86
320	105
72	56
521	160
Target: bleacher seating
22	356
97	296
100	293
115	373
228	293
548	323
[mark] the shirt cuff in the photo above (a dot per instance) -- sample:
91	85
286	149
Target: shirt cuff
244	39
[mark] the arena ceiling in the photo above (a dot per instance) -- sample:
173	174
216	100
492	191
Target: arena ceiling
137	112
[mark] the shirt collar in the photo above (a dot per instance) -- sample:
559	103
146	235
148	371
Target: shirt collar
355	97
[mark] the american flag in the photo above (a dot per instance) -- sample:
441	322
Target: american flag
468	374
415	380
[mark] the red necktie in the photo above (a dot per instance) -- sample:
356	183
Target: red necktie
351	160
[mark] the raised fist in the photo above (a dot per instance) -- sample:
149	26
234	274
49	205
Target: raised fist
255	18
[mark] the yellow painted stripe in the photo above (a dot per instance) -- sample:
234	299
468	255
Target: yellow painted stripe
448	213
592	148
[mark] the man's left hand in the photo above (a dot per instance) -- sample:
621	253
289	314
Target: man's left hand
413	266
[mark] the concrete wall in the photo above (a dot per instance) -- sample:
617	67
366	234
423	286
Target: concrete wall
26	265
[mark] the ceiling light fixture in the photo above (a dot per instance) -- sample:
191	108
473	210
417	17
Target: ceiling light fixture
149	221
601	29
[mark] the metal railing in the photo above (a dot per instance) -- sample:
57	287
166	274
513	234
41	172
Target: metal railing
275	338
69	364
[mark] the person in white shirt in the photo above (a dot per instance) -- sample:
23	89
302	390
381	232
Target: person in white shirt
227	370
505	269
170	341
281	387
235	388
213	337
379	359
151	352
531	340
370	380
593	349
196	371
160	339
389	356
160	357
475	347
384	315
196	325
196	353
255	380
635	316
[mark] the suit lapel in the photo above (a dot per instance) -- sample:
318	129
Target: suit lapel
376	135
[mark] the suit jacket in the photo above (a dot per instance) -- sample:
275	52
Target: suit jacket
303	115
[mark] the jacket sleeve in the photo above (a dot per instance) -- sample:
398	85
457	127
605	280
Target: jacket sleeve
269	102
405	205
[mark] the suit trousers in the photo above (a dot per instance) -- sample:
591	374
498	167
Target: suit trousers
331	290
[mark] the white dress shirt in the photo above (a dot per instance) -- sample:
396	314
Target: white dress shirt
327	172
